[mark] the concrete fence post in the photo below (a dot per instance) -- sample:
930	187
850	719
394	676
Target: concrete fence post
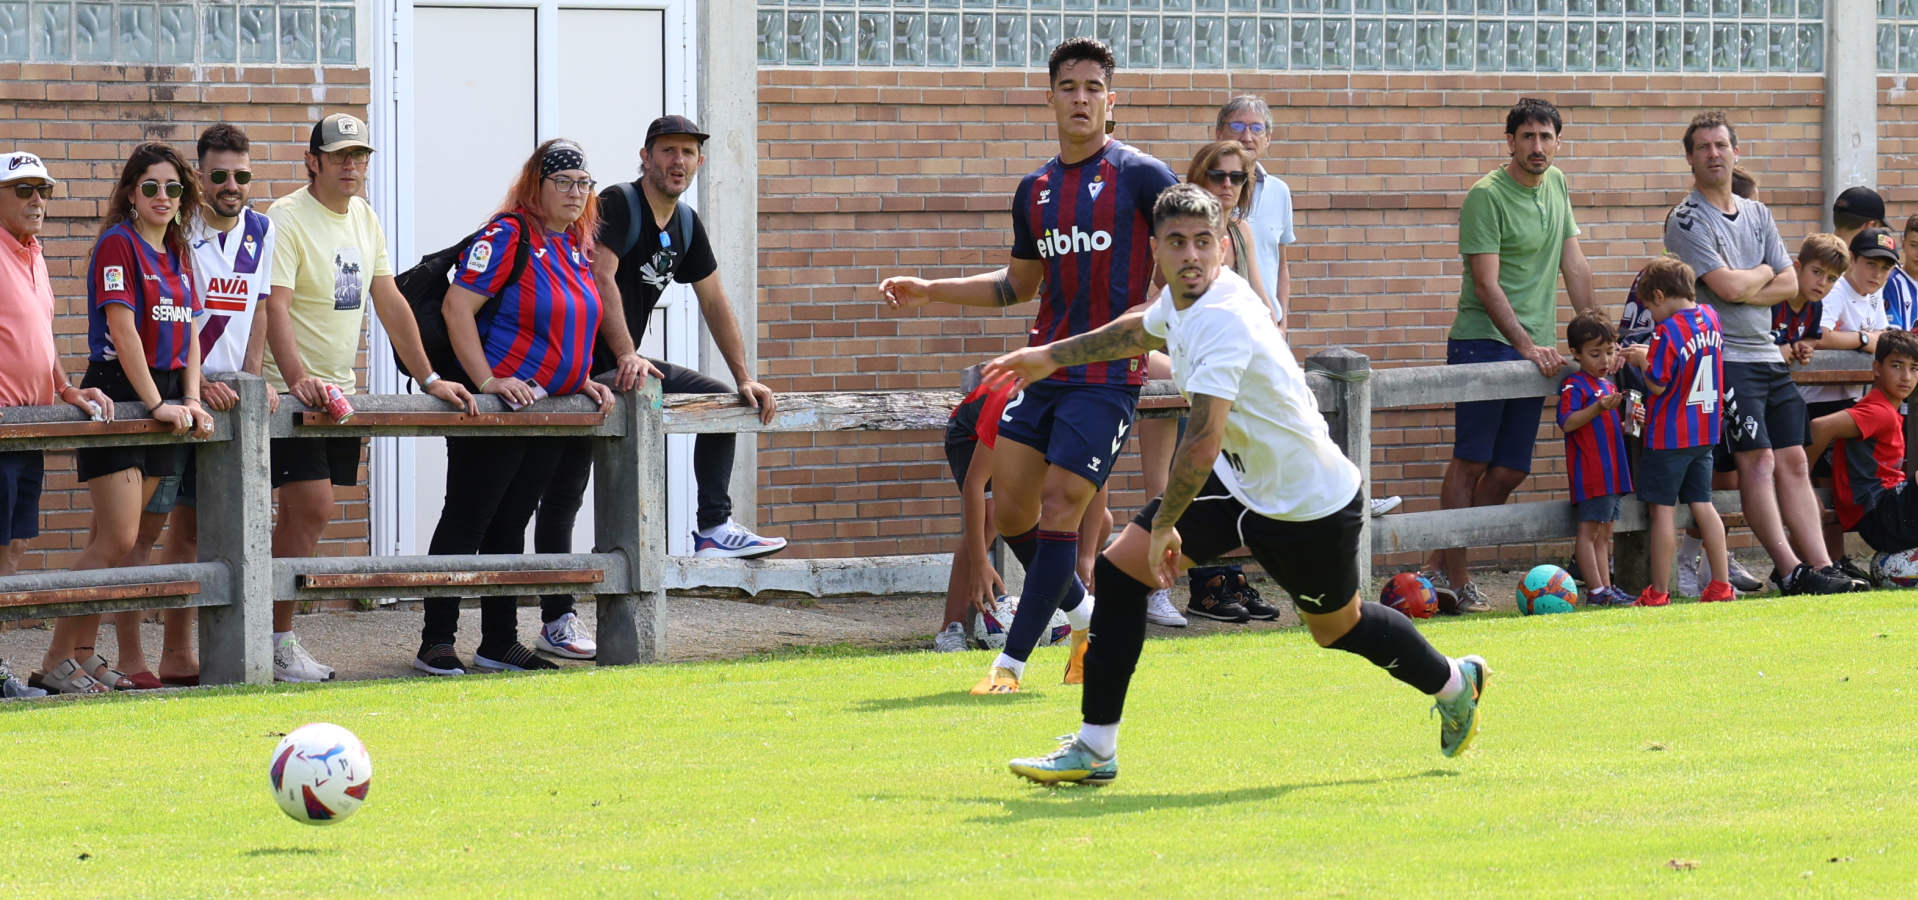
236	528
1350	374
629	516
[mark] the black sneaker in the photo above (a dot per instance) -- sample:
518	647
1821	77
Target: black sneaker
1255	605
438	659
1861	580
1834	573
1213	598
1806	580
515	657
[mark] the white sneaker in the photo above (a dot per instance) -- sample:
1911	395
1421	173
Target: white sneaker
950	639
564	636
729	539
291	662
1689	583
1160	611
1383	505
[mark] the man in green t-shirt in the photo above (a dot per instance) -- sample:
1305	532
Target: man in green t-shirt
1518	236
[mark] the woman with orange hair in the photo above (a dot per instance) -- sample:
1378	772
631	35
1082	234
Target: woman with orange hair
523	329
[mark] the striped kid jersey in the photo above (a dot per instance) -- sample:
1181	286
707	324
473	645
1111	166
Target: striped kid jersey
1789	327
1594	454
1901	300
542	329
1865	467
156	286
1687	357
1090	222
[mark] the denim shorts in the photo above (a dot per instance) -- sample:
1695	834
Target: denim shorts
1498	432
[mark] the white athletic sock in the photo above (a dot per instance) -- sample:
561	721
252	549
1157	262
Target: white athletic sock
1101	739
1454	684
1018	667
1080	617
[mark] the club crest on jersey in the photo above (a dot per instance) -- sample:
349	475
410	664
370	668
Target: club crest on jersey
1095	187
113	278
480	258
249	246
1055	243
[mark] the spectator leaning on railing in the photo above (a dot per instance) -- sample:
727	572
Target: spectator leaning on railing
30	370
520	341
141	346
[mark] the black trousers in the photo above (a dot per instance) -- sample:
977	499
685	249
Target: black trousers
493	486
712	470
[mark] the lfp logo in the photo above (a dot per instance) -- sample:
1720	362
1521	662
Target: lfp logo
1055	243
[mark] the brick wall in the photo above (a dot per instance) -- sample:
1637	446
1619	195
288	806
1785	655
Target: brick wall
869	173
84	121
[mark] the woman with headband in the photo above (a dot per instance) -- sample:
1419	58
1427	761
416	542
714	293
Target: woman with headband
521	338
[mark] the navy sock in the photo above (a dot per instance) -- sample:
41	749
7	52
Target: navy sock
1024	546
1053	561
1386	637
1118	622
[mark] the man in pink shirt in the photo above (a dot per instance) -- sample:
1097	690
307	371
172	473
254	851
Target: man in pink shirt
30	372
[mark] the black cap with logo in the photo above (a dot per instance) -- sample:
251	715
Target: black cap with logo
1875	242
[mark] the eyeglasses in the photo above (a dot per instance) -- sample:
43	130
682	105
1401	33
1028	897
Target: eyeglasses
26	191
572	185
152	188
1220	176
1243	127
239	176
354	157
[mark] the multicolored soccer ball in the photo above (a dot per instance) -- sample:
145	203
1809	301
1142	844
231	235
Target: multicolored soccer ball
320	773
989	629
1896	569
1547	589
1410	594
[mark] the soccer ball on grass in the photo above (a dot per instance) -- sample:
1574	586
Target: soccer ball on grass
989	629
320	773
1410	594
1547	589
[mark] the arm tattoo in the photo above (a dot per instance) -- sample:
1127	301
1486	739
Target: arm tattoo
1118	339
1188	474
1002	285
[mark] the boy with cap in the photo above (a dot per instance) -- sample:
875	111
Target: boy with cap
1854	317
30	372
329	258
1856	209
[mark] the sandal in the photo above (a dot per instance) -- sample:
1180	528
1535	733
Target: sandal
67	678
111	677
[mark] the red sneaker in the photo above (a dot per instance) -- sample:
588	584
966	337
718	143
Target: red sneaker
1654	597
1718	592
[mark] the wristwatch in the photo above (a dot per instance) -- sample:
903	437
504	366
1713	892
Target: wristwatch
1863	339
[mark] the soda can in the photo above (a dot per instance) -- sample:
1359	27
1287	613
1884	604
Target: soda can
1634	401
336	404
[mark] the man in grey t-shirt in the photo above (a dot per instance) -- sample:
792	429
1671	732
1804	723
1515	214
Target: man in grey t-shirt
1743	271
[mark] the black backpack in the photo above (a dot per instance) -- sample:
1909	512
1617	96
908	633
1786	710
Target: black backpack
682	215
424	286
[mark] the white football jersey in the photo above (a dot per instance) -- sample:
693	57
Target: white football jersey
233	272
1278	459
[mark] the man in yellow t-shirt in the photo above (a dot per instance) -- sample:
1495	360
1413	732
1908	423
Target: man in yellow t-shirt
330	257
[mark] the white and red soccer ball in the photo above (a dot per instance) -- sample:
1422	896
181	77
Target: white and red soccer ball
320	773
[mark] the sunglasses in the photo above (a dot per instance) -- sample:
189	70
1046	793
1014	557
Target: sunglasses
26	191
239	176
1218	176
572	185
151	188
1243	127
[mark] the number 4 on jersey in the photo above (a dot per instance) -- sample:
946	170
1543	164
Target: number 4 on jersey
1704	393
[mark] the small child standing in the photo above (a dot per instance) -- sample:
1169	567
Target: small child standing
1588	413
1683	367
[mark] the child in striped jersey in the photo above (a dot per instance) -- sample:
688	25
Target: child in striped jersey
1595	457
1683	367
1796	323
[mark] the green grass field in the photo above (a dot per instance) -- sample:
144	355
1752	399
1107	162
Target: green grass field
1757	749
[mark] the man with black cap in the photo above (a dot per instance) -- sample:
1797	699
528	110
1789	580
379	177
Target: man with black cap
647	238
329	257
1856	209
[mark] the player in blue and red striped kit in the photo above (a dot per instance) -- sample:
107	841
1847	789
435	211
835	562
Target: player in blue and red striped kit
1595	457
1683	368
1081	228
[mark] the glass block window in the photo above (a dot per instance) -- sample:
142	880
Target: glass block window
182	32
1329	35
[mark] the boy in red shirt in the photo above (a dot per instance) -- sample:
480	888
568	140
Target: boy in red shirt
1683	368
1868	451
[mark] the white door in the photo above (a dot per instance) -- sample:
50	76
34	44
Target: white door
483	85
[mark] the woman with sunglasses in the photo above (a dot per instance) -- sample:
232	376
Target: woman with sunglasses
1224	168
520	339
141	347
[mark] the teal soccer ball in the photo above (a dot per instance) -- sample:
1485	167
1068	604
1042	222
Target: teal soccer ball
1547	589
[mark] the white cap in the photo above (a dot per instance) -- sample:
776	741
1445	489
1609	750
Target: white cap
21	164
